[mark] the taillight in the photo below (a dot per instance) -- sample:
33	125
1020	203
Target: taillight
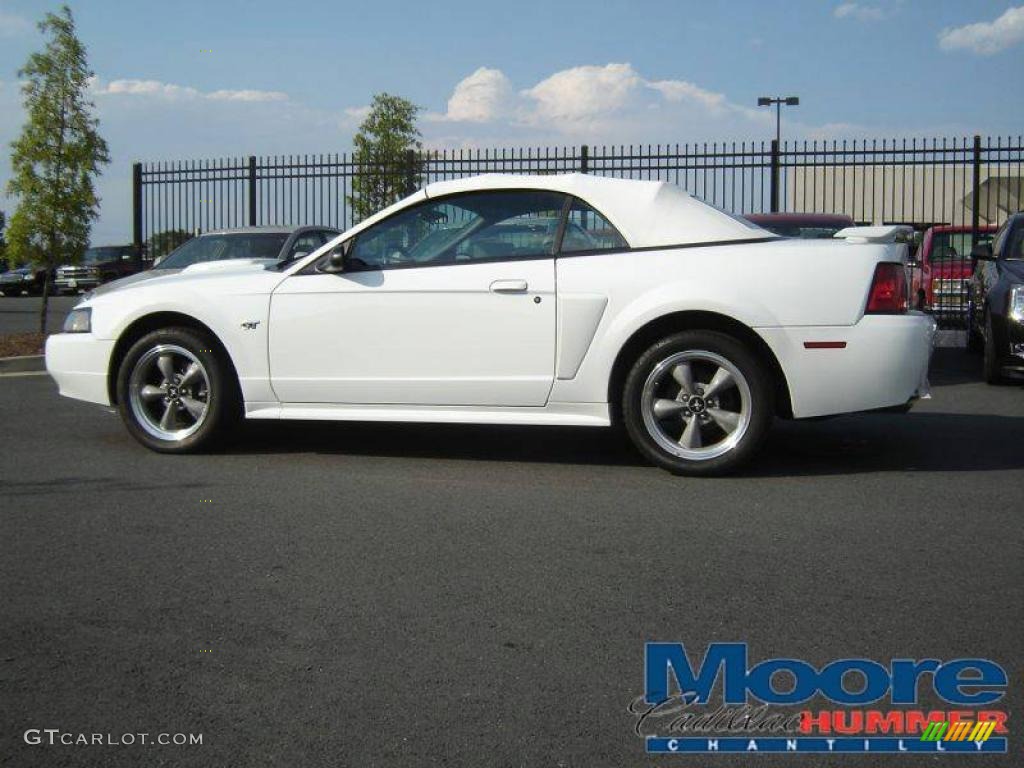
888	294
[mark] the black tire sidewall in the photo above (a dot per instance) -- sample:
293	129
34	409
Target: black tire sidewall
991	368
223	400
749	364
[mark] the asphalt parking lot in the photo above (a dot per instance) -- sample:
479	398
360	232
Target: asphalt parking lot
361	595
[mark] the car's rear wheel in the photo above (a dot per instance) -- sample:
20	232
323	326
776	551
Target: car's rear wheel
175	392
698	403
991	366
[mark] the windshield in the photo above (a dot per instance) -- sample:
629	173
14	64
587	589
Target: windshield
947	246
241	245
102	255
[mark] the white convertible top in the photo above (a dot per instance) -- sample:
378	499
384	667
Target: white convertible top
646	213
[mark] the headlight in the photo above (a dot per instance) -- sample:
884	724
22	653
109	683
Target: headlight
29	276
1017	303
78	321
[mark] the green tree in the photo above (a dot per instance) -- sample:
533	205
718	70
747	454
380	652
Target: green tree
386	152
57	156
3	245
161	243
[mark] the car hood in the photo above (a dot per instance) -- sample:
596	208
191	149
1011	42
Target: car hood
166	276
1015	269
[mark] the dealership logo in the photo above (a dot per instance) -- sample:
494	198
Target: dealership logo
942	731
875	705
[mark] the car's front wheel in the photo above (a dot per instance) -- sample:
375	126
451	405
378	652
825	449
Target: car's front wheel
175	391
974	341
992	368
698	403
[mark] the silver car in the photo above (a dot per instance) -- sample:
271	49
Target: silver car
275	245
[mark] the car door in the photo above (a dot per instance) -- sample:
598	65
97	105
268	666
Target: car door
448	302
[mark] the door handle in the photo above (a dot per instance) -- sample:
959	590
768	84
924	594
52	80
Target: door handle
509	286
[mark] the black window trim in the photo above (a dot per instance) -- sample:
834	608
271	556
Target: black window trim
590	251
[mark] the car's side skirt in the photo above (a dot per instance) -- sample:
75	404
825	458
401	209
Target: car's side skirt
553	414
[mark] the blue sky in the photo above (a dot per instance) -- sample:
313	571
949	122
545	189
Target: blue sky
190	79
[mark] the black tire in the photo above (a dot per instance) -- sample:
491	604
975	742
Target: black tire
222	398
647	383
975	343
991	366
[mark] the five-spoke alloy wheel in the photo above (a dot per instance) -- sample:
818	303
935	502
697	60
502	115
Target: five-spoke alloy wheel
175	392
169	392
697	403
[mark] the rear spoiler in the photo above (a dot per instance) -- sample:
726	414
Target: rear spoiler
888	233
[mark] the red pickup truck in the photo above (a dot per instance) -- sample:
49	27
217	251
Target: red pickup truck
939	282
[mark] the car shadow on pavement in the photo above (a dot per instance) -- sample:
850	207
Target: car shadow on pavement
952	365
914	442
461	442
863	443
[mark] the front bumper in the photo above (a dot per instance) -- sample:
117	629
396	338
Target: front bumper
884	363
79	362
76	283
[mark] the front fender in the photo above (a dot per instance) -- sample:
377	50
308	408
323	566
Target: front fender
223	314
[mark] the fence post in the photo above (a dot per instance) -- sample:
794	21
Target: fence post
252	190
410	171
976	189
584	158
137	209
775	175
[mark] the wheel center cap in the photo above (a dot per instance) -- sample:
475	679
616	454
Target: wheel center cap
172	391
696	404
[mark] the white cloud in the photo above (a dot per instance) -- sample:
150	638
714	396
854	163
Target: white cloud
986	37
246	95
583	93
12	25
610	102
483	96
171	91
357	114
681	90
859	11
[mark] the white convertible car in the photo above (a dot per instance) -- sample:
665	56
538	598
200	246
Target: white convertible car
574	300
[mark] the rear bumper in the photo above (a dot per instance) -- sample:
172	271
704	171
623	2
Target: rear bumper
78	362
883	361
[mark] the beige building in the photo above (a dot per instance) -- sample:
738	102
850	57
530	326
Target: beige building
917	194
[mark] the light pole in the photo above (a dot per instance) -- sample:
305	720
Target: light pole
778	101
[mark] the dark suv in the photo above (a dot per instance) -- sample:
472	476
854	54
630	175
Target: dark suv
99	265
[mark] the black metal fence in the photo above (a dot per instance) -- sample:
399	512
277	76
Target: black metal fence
958	182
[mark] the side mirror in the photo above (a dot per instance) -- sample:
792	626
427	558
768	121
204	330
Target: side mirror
299	255
982	252
335	260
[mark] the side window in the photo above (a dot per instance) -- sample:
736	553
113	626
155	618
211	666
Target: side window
477	226
305	244
588	230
